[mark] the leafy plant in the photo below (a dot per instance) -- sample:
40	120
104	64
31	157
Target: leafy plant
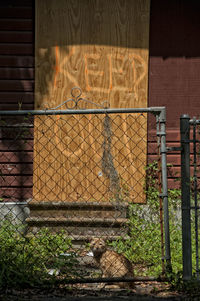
143	243
27	260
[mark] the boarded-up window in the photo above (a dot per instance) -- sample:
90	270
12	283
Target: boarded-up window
101	47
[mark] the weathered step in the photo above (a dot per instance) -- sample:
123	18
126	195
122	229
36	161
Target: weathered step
83	226
79	241
87	238
78	209
64	221
85	231
79	219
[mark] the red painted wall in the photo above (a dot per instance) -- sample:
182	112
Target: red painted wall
174	76
16	54
174	69
16	89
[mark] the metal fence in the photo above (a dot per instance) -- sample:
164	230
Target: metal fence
79	201
190	163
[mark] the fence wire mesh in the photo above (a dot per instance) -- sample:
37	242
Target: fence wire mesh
190	132
195	197
78	197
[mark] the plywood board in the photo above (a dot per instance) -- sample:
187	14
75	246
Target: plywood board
101	47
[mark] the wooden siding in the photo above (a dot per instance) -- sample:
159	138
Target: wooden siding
174	70
16	91
16	54
174	65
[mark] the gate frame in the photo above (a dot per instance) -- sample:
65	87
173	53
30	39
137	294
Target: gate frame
187	137
185	197
160	113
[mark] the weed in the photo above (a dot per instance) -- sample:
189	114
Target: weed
143	243
26	260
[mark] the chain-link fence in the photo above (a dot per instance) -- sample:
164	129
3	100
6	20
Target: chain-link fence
79	201
190	132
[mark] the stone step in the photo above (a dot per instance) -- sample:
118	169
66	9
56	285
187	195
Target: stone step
75	213
85	231
78	209
75	221
79	241
79	219
81	227
87	238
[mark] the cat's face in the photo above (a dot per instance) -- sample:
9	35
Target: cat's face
98	245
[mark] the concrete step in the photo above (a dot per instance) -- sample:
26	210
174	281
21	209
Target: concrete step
79	227
75	221
76	209
79	219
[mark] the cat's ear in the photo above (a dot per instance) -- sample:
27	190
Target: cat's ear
92	241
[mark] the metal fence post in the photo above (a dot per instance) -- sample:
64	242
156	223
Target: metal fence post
185	196
163	151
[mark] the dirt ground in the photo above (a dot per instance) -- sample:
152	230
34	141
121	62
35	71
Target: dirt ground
142	292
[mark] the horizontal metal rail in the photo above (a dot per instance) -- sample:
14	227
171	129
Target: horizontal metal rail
76	112
109	280
160	114
194	121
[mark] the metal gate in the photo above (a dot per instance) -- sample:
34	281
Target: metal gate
56	226
190	163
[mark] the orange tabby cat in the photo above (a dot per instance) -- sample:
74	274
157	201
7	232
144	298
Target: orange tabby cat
111	263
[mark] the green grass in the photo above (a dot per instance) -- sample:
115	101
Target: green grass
26	260
143	244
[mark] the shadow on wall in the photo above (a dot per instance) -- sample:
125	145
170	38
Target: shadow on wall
16	159
174	25
72	35
174	29
174	59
